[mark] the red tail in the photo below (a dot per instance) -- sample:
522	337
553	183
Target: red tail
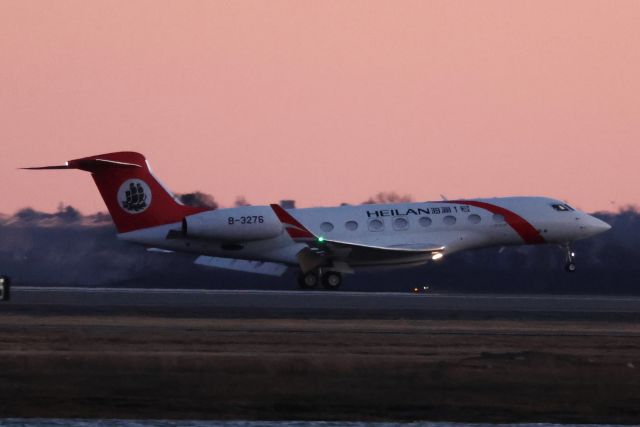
132	194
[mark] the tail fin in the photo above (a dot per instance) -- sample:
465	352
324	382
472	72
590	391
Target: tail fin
134	197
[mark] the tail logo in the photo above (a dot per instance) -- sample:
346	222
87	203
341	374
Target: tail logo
134	196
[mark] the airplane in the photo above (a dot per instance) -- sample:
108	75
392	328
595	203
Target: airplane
325	242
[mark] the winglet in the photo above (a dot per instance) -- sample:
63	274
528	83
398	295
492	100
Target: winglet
296	230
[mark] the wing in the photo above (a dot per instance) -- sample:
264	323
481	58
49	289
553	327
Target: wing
324	252
258	267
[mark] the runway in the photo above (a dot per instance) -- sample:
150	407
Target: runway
258	303
295	355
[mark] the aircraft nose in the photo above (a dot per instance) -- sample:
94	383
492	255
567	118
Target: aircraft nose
596	226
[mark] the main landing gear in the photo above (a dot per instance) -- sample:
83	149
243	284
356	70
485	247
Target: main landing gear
330	280
570	261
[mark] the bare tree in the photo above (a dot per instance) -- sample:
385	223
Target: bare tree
198	199
241	201
387	197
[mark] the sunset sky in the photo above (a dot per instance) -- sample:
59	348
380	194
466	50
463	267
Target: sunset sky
325	101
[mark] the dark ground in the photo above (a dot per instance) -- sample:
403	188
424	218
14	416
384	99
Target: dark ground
139	366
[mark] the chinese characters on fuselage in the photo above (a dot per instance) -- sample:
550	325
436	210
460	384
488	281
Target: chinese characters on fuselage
417	211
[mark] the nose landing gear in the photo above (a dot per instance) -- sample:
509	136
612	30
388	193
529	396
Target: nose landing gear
570	262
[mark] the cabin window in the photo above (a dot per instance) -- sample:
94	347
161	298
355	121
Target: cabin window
424	221
400	223
474	219
351	225
326	226
449	220
497	218
376	225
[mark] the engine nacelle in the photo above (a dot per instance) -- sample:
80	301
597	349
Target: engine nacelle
241	224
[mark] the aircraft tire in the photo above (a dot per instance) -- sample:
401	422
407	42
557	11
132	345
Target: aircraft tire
570	267
5	288
331	280
308	280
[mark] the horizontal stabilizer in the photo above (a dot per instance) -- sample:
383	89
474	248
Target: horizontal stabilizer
258	267
90	165
42	168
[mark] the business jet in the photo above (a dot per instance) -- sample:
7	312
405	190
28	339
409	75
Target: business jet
323	243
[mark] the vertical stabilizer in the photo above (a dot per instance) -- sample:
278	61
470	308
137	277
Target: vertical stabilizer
134	197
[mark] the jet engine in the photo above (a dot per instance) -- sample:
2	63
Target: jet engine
241	224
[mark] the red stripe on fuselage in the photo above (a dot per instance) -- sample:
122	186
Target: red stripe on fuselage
520	225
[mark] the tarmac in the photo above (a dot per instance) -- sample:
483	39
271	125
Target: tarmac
338	304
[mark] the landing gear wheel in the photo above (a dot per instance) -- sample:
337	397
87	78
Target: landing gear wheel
308	280
570	263
331	280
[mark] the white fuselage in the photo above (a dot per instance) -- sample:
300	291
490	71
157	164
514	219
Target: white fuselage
455	225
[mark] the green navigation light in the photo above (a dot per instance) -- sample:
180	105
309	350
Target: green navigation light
320	239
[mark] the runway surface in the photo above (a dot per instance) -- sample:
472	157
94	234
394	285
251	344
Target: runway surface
295	355
248	303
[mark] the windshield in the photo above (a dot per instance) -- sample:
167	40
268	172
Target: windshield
562	207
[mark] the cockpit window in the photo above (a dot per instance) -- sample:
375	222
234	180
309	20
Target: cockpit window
562	207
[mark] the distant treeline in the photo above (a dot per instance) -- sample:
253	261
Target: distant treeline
69	248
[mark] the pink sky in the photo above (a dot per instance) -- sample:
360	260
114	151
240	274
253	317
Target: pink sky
325	102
